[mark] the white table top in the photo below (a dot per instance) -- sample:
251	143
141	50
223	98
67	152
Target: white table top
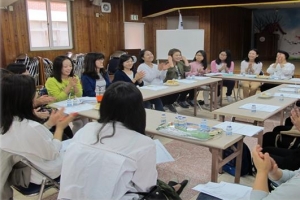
237	77
234	110
151	94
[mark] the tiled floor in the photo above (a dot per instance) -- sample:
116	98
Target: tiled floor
192	195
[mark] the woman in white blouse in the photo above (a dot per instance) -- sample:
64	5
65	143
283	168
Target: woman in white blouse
21	132
281	69
251	65
111	157
154	75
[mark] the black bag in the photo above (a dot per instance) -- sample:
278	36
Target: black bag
288	139
161	191
246	168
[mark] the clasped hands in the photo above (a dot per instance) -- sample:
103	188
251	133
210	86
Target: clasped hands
59	119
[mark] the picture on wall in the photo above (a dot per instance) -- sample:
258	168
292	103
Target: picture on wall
280	25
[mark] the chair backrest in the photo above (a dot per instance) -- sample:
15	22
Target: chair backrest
78	60
8	160
48	67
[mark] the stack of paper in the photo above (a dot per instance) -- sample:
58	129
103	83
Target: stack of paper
294	86
260	107
201	77
225	191
186	81
288	89
295	79
154	87
288	95
239	128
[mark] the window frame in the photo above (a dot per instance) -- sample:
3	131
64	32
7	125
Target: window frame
50	29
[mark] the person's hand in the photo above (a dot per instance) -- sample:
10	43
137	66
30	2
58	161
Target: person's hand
295	117
201	70
274	167
183	58
163	66
43	100
55	117
262	161
170	61
41	115
139	75
73	81
64	122
207	71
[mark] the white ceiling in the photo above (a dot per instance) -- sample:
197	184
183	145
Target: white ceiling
4	3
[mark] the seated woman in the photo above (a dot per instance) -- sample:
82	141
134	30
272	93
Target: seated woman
251	65
94	76
154	75
281	69
288	181
23	134
121	160
63	84
199	68
126	73
224	64
179	65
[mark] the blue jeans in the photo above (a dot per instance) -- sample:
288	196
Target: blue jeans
157	104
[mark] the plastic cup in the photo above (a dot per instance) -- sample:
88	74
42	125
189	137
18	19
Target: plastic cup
99	97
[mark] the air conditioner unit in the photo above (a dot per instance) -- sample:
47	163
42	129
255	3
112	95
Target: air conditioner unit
97	2
105	7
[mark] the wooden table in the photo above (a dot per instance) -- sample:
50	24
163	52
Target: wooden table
258	117
216	145
237	77
212	82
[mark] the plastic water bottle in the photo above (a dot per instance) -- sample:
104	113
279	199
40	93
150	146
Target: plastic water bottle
184	122
253	108
281	98
203	125
228	130
176	122
69	102
163	119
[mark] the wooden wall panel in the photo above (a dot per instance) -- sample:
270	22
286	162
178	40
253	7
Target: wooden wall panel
90	34
223	27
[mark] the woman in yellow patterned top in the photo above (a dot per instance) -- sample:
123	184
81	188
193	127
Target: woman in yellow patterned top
63	83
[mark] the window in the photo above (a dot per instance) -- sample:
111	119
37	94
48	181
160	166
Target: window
49	24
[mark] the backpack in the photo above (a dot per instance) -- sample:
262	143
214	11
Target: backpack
246	168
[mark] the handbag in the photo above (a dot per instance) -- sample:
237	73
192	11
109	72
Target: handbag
290	143
161	191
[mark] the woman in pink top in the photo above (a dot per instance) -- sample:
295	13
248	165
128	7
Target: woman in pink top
199	68
224	64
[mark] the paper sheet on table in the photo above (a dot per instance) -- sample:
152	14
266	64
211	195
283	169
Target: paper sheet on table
214	74
162	154
186	81
75	108
154	87
225	191
295	79
260	107
294	96
287	89
294	86
201	77
88	99
239	128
